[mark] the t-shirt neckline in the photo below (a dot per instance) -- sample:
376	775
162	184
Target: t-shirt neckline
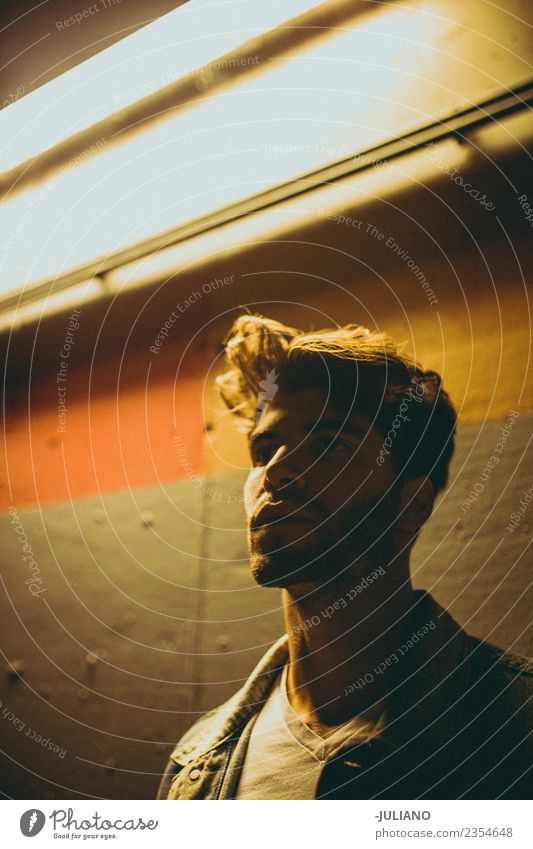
324	747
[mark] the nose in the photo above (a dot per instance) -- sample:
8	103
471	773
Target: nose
283	473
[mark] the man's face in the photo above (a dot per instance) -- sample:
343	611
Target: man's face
316	499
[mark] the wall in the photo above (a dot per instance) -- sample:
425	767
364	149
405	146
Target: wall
147	616
143	613
133	611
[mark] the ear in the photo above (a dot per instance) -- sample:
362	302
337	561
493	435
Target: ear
417	498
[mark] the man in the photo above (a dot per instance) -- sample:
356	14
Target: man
375	691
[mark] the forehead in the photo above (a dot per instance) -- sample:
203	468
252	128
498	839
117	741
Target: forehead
310	408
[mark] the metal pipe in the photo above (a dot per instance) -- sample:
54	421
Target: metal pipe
186	92
455	126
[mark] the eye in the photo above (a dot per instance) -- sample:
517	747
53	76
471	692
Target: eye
332	444
262	454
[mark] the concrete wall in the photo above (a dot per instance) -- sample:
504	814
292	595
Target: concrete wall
134	611
144	614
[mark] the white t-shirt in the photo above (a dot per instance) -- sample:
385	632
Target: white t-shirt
284	758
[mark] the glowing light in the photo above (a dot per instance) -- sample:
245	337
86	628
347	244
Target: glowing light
55	302
377	78
195	34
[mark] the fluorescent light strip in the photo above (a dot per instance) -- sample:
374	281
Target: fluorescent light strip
345	196
349	196
56	302
354	89
192	36
272	195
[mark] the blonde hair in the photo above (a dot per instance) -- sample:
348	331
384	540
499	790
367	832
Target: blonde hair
368	366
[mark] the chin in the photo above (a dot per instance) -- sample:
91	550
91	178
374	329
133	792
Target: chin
287	565
268	572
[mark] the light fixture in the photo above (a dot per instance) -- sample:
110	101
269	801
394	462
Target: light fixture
343	197
175	45
358	84
57	302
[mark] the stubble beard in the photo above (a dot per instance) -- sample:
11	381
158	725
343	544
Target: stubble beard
276	563
320	558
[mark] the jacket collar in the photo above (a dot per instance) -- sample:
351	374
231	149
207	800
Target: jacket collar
233	714
428	701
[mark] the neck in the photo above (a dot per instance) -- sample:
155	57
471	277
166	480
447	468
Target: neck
341	635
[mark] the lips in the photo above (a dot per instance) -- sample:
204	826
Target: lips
280	511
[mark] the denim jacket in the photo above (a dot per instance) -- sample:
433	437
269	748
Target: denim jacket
457	728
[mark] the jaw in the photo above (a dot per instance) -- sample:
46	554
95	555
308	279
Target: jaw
322	558
282	559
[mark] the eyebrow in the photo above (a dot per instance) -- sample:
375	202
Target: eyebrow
336	424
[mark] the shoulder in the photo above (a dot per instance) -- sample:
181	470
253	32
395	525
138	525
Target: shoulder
492	744
224	720
502	664
499	691
227	720
207	730
198	738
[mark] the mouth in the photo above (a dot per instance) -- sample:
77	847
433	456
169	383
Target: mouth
280	512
